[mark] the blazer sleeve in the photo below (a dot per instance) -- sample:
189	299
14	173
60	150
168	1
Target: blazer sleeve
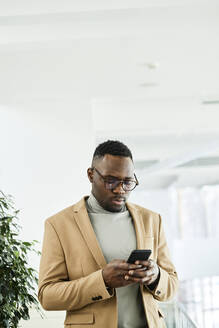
55	291
168	282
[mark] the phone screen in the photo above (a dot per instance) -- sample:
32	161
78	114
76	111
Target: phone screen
139	254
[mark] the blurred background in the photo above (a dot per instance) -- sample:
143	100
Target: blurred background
76	73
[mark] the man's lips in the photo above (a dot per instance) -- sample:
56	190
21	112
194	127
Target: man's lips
118	200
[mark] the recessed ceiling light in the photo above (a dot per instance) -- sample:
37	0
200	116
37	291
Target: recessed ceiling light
210	100
150	65
148	84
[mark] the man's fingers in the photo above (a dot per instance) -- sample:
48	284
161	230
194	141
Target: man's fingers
146	274
128	266
147	280
129	278
141	273
148	263
150	272
141	269
137	280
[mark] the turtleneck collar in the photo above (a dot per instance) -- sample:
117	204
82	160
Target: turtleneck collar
94	207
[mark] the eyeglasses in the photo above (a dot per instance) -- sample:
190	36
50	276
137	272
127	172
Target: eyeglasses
111	183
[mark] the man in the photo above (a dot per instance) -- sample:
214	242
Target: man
83	266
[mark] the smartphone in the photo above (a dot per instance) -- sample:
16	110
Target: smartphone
139	254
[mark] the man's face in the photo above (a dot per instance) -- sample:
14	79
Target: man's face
111	166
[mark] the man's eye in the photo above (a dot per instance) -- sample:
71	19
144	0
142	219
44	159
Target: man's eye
128	182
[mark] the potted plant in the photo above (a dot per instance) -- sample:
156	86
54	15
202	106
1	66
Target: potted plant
17	279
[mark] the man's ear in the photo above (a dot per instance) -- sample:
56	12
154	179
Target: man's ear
90	173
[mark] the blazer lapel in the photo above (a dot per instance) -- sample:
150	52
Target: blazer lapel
138	224
83	221
143	231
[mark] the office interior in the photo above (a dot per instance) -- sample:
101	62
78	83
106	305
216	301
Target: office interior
76	73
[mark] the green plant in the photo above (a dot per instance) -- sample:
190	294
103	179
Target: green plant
17	279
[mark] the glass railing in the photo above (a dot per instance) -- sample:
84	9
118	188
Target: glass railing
200	298
176	316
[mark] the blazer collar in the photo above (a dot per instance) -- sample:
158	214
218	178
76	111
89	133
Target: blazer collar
83	221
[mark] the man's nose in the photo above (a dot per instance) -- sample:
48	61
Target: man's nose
119	189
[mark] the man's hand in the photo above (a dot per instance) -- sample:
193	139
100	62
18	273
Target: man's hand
115	272
146	275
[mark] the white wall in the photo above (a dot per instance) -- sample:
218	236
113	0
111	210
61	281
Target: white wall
164	202
51	319
45	151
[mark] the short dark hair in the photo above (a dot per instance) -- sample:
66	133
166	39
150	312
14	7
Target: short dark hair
112	147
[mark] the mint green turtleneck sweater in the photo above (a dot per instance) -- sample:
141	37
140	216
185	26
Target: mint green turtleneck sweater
116	235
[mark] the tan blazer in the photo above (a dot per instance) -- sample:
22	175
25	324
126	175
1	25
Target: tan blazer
70	276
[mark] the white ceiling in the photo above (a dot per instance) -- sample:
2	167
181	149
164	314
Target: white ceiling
144	66
110	47
29	7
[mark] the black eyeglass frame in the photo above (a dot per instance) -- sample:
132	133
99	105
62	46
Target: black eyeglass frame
118	181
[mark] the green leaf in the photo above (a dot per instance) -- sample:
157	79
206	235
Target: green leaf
18	281
16	253
26	243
